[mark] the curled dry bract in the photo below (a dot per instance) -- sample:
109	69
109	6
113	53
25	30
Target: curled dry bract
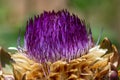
96	65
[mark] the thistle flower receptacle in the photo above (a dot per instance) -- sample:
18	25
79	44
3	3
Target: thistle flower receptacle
58	35
57	46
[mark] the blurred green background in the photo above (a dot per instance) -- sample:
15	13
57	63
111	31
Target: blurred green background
97	13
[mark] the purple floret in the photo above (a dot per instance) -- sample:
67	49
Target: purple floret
58	35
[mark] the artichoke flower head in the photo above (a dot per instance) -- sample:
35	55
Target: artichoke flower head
58	35
58	46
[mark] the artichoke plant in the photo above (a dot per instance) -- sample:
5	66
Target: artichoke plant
58	46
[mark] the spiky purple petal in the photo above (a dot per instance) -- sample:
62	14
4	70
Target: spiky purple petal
56	35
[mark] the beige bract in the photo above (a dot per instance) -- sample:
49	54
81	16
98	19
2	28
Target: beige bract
100	63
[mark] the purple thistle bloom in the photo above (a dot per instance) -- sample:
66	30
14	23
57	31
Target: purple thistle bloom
56	35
